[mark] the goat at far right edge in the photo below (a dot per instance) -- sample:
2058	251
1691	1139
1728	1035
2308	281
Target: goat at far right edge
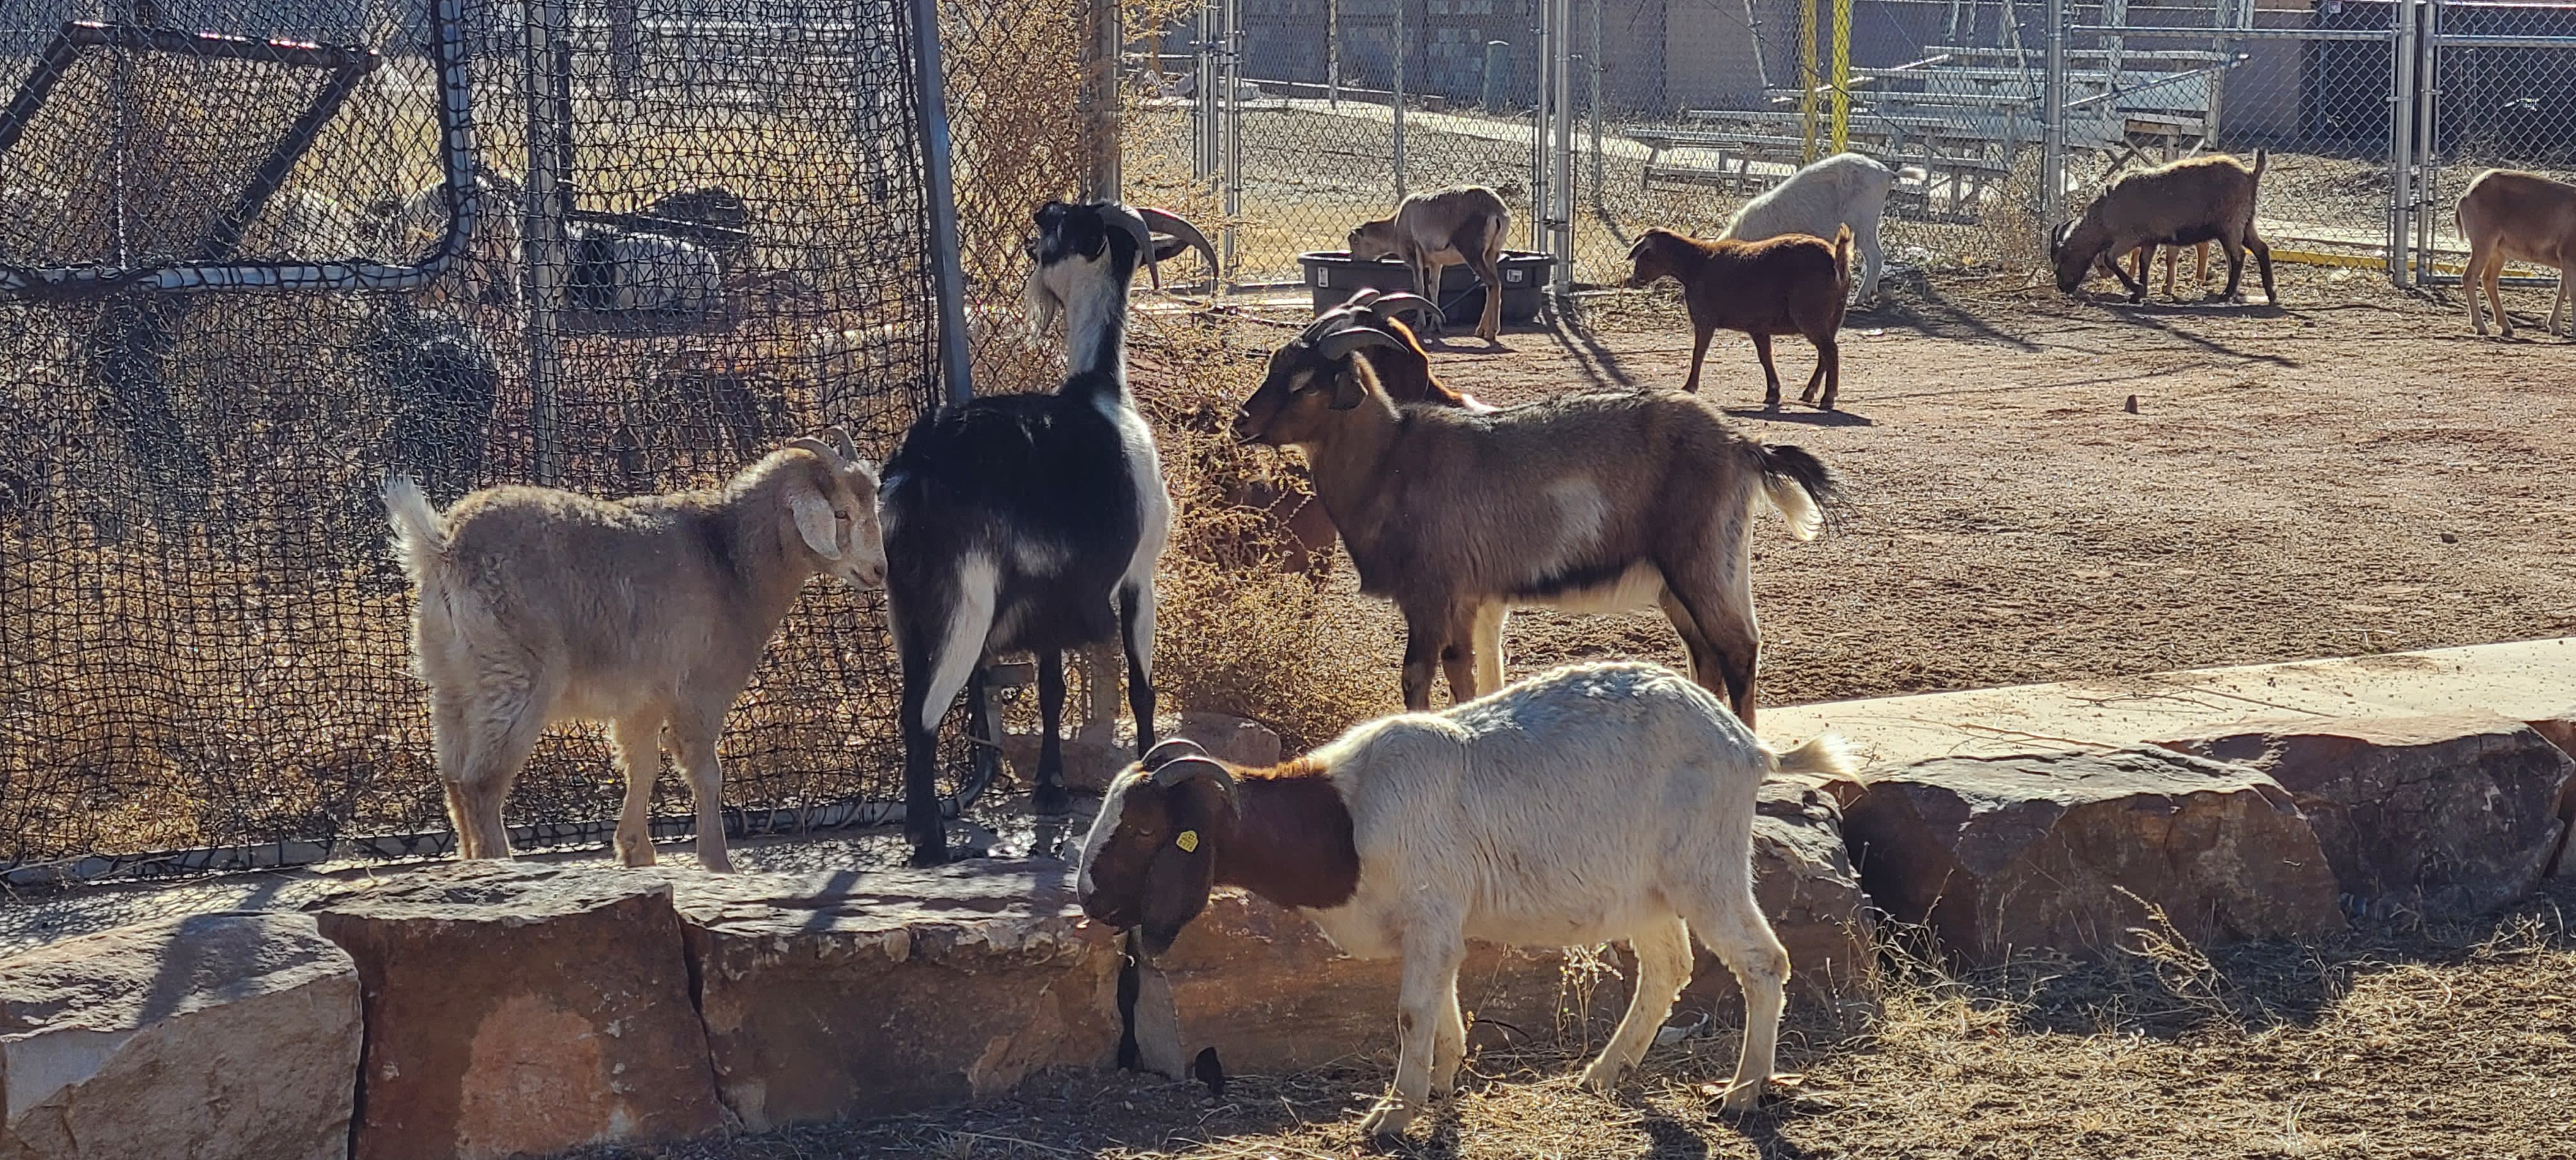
2183	203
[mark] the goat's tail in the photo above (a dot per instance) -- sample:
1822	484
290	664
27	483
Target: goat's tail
1842	257
1824	755
1798	484
2262	157
420	536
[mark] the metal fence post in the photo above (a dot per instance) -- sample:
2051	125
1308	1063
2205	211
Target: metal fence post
2401	139
2428	136
1561	187
2052	156
1101	120
1396	100
1233	62
548	256
948	273
1594	60
1543	31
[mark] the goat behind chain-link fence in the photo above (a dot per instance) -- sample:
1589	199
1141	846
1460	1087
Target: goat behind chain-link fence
619	245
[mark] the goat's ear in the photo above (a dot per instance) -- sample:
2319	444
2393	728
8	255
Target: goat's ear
1348	390
815	522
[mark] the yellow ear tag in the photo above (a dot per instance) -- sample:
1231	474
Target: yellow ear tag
1188	841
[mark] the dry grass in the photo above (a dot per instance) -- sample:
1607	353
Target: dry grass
2442	1039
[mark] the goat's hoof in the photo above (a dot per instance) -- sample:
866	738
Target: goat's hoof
1601	1078
1387	1122
716	865
639	855
1740	1100
1051	801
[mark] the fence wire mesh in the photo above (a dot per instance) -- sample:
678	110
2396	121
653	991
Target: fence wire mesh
1322	114
202	634
2495	90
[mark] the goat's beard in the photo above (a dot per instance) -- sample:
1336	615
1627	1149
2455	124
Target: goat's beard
1040	301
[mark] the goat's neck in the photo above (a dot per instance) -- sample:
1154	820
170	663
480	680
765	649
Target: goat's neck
1095	325
1291	840
1347	462
750	541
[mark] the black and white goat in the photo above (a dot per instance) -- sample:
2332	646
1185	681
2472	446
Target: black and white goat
1032	522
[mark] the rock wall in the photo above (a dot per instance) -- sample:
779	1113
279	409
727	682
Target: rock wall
524	1007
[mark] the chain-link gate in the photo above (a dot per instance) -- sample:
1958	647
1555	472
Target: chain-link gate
2487	88
1692	107
1305	118
620	245
2133	86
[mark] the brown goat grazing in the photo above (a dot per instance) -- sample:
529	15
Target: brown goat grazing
538	605
1433	231
1791	284
1613	500
2182	203
2510	214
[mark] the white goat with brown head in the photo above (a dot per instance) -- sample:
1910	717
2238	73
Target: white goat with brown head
538	605
1590	804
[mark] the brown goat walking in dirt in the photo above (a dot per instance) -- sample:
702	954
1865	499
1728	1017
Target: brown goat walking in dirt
1433	231
2512	215
1791	284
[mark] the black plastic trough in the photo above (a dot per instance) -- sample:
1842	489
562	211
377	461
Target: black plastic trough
1334	275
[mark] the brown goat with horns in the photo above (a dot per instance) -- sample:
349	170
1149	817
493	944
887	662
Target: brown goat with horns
1610	501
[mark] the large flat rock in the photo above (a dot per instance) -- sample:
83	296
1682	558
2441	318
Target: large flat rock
2525	680
208	1037
2442	813
830	996
1272	995
520	1007
2067	851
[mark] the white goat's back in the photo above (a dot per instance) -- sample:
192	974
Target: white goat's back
1559	810
1844	189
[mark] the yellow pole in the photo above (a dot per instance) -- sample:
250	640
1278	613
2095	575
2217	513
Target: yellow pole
1807	76
1842	75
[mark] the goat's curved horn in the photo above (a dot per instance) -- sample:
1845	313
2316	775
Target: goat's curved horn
1181	769
840	437
1326	323
1132	222
818	447
1182	232
2057	236
1168	749
1340	343
1395	304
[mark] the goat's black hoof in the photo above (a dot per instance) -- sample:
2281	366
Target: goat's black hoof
1051	801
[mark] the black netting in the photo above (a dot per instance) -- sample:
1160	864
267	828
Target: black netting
202	636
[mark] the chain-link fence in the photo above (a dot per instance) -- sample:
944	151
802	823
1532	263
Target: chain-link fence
657	238
2488	91
1295	120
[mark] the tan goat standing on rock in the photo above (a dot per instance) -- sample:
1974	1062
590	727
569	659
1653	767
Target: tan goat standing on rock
2511	215
1433	231
538	605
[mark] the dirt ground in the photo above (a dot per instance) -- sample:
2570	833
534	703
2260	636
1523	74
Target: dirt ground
2353	472
2447	1040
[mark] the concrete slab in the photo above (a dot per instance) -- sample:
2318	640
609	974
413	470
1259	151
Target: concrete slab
2523	680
